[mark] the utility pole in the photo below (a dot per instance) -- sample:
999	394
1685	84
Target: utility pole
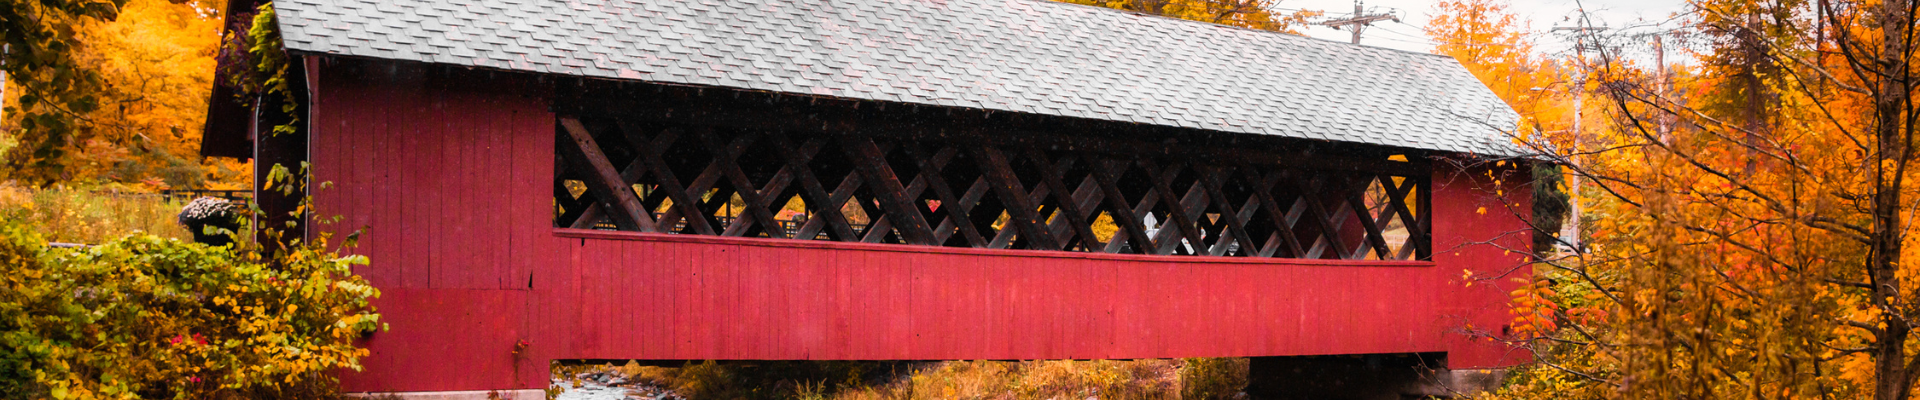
1570	233
1359	20
1661	85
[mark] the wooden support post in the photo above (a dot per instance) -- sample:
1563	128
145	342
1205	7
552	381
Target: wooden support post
1425	217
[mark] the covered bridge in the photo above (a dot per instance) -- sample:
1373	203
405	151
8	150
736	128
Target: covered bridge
548	180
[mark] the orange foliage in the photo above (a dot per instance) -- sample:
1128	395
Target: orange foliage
156	61
1747	213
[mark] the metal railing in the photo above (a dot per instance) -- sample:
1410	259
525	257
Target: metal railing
186	195
237	196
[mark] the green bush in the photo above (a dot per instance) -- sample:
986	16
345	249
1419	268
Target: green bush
147	317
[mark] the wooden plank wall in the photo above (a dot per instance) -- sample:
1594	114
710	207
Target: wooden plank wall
450	176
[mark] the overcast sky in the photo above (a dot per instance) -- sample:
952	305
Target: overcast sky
1543	15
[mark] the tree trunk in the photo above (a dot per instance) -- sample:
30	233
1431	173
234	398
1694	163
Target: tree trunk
1890	131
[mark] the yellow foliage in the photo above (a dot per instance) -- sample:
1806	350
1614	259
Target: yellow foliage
147	317
1745	217
156	61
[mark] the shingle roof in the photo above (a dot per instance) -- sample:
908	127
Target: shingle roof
1028	56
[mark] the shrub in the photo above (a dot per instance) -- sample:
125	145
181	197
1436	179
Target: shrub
147	317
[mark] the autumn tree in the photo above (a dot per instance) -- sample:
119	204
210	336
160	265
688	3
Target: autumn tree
1490	41
41	41
142	84
1749	214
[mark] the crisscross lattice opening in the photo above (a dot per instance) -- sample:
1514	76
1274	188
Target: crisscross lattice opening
704	180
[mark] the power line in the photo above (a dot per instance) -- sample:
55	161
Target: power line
1423	39
1359	20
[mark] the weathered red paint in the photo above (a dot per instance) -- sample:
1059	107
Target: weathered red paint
452	182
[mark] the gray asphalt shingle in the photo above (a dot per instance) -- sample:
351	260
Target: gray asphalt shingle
1007	55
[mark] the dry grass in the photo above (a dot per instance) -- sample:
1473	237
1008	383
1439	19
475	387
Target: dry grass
1102	379
1059	379
1212	378
88	216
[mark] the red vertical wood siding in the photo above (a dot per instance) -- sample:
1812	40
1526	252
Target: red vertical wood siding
452	181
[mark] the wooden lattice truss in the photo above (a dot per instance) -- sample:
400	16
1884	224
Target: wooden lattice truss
1090	195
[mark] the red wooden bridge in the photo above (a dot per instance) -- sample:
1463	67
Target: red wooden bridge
620	180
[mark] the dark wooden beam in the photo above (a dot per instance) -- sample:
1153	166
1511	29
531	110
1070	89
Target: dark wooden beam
1020	209
1180	211
967	202
741	184
913	191
814	193
648	159
1088	197
1329	227
899	209
1069	204
930	168
1124	214
722	159
769	194
1283	219
1397	199
1372	237
1235	218
602	179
